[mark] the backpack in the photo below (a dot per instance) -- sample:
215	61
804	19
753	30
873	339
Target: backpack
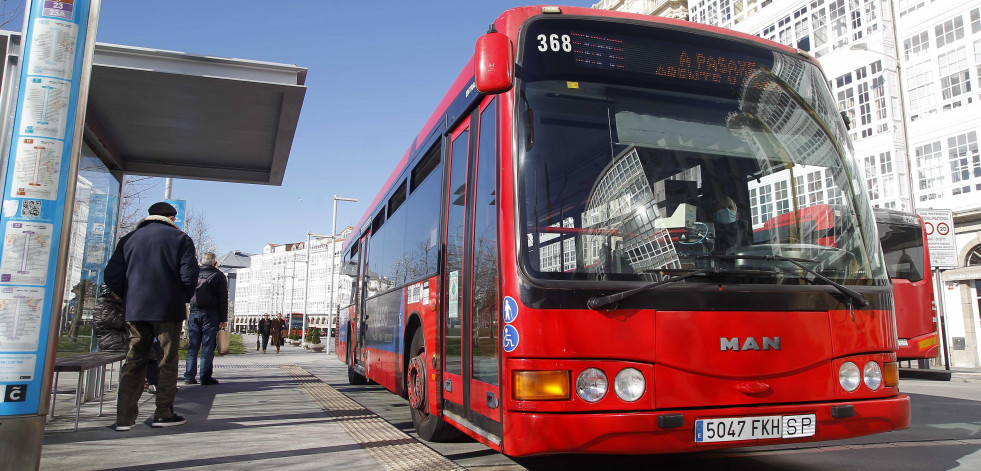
202	292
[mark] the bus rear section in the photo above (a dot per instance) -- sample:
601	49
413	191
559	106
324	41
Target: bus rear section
903	239
599	282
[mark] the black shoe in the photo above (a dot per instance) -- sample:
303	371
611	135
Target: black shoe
171	421
190	381
208	381
121	428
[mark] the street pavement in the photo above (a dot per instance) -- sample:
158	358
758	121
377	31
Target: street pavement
295	410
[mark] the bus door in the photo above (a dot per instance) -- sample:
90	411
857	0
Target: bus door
360	320
471	386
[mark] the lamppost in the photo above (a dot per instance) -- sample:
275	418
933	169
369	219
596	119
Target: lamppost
332	309
306	287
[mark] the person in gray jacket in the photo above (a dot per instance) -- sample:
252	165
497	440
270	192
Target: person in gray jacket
154	269
209	314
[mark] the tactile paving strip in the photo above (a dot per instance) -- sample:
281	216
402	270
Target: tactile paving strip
393	448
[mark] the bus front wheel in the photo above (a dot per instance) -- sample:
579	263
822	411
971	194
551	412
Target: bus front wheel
429	427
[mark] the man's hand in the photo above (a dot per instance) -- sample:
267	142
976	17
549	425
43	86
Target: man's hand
222	325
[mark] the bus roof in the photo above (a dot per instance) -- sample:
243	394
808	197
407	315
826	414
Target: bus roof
510	23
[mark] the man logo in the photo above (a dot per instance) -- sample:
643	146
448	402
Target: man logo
749	344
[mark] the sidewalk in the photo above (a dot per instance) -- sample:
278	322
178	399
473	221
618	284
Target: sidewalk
268	411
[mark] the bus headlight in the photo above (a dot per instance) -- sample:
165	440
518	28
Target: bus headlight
591	384
873	375
629	384
848	376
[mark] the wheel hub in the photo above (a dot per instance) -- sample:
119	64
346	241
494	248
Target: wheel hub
417	382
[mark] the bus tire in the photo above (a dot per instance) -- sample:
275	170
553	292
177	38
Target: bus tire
429	427
355	378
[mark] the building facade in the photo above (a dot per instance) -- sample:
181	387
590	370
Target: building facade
677	9
276	283
907	74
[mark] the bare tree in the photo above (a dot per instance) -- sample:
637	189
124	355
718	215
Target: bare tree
133	207
196	226
11	13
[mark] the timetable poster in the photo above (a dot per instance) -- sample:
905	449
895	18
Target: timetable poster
36	190
37	169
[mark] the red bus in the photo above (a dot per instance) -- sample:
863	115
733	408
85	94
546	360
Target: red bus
908	263
907	259
563	260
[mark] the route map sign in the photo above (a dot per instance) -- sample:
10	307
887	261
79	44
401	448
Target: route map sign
939	226
35	191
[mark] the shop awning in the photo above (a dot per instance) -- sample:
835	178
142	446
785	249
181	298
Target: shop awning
172	114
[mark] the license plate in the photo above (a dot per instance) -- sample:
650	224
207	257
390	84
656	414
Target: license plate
754	428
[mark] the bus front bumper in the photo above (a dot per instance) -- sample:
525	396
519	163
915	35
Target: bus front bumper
640	432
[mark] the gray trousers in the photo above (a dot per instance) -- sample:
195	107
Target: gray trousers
141	335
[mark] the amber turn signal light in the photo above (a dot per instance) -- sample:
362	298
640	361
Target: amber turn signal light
541	385
891	374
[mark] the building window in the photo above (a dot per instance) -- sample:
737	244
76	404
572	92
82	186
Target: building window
815	187
929	168
782	196
885	163
879	97
846	102
870	177
919	84
839	24
965	162
799	188
973	257
819	23
976	20
766	203
949	31
833	192
864	108
916	45
977	59
954	75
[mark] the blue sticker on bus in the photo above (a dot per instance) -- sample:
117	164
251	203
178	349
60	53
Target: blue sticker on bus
510	338
510	309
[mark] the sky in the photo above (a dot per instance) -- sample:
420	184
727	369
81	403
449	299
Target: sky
376	71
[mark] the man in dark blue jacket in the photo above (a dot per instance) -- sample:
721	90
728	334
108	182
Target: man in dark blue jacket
209	314
155	270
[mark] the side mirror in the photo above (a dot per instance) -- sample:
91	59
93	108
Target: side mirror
494	63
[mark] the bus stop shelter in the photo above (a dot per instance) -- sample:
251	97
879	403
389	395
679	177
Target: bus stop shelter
162	114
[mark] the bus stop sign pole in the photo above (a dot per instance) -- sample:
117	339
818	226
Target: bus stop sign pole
38	191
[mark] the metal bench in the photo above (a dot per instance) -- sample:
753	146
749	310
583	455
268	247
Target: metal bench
81	364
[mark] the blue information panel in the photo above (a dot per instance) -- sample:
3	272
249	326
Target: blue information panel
34	195
179	205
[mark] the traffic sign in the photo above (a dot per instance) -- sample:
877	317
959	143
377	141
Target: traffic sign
939	227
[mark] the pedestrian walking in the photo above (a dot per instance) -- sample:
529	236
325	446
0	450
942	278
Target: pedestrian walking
208	315
154	269
277	330
264	325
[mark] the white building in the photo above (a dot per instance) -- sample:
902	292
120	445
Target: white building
908	74
677	9
276	282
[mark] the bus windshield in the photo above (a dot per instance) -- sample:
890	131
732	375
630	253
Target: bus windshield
902	245
643	151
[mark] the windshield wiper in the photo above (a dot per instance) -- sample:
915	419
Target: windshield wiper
799	262
600	301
